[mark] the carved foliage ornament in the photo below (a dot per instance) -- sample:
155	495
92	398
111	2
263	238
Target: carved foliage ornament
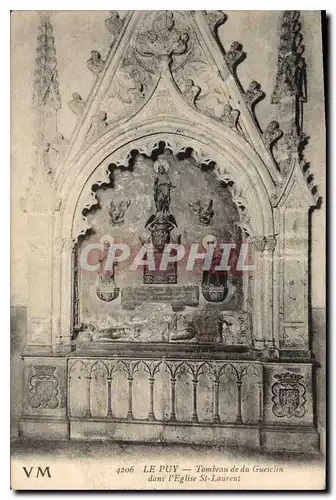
234	55
253	94
272	134
163	39
288	395
230	116
43	390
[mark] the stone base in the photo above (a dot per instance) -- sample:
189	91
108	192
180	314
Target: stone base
273	439
46	428
297	439
187	433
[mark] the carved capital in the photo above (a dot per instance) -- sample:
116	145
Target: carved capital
264	243
259	243
270	243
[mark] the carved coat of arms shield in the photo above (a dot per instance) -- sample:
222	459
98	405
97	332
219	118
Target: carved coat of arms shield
288	395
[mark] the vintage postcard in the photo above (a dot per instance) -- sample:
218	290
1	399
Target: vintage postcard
167	250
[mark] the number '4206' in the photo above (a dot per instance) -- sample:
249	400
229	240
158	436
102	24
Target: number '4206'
125	470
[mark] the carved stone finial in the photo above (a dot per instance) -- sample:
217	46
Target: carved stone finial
77	104
215	18
230	116
234	55
191	91
95	64
114	24
253	94
163	39
291	70
46	86
272	134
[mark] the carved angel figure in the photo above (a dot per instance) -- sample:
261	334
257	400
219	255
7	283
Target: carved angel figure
129	87
77	104
205	213
95	64
117	212
191	91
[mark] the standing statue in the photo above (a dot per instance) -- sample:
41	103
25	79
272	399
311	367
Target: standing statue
162	186
106	289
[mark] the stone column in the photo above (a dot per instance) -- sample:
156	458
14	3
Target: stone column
262	313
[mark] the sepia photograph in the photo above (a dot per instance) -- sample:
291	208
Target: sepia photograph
168	250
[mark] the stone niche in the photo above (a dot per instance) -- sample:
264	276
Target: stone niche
188	301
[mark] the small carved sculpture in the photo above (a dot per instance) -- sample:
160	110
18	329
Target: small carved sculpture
272	134
77	104
51	151
214	282
117	212
179	328
234	55
95	64
106	288
205	213
234	327
160	226
129	87
230	116
162	186
191	91
114	24
98	125
253	94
